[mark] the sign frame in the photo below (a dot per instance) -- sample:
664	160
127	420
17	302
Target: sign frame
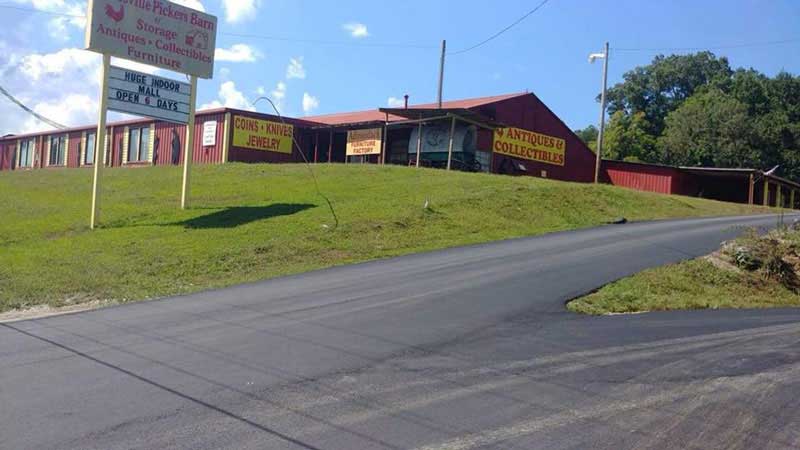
122	98
158	33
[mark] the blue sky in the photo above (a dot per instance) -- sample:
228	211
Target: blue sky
335	58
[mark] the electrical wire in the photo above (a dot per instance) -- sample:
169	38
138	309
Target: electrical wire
38	116
512	25
308	164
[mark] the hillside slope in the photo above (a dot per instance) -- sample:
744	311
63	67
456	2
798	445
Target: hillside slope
250	222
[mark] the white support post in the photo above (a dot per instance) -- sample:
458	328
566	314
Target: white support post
187	154
419	141
450	146
100	139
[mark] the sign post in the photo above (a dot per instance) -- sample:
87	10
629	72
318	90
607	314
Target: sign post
158	33
100	142
188	153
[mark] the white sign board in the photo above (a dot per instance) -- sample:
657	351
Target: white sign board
155	32
146	95
209	133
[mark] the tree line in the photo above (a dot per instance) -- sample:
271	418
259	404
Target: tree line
694	110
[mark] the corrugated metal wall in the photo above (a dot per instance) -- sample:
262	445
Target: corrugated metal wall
7	154
643	177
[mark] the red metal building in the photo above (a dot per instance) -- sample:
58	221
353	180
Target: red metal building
513	134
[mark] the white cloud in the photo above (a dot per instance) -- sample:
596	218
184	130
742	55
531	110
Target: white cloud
278	96
356	29
230	97
194	4
224	73
394	102
240	10
295	69
310	103
261	91
75	11
237	53
73	60
72	109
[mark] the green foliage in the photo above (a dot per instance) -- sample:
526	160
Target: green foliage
627	138
768	278
710	129
589	136
695	110
251	222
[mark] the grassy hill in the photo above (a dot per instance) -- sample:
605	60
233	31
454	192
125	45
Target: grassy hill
250	222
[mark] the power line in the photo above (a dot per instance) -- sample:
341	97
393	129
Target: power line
253	36
38	116
716	47
513	24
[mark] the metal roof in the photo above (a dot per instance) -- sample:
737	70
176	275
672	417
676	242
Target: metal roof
379	115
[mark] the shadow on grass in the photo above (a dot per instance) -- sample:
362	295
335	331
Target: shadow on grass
240	215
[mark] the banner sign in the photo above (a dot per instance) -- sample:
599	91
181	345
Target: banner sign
146	95
364	142
519	143
209	133
155	32
259	134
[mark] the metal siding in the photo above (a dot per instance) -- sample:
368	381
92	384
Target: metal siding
213	153
529	113
74	149
7	153
642	177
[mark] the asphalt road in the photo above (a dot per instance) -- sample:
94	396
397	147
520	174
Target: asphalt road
467	348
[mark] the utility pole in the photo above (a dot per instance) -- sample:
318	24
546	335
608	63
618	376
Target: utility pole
599	152
441	73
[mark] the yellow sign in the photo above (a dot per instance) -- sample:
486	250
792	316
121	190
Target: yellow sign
525	144
262	134
364	142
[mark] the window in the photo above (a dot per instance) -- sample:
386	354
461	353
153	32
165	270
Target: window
88	150
138	144
26	149
58	148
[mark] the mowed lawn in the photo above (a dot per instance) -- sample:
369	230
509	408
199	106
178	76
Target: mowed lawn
251	222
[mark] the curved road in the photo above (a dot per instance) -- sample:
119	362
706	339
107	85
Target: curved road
467	348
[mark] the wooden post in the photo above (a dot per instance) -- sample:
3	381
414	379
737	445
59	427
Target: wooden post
316	146
778	199
188	153
419	141
99	141
330	146
766	192
751	191
450	145
791	199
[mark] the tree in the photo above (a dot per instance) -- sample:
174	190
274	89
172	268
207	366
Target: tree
662	86
627	138
589	136
710	129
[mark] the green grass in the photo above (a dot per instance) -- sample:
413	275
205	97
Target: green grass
695	284
251	222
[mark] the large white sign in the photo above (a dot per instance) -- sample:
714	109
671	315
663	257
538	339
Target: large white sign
146	95
155	32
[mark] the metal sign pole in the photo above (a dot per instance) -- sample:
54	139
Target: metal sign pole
100	143
187	154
